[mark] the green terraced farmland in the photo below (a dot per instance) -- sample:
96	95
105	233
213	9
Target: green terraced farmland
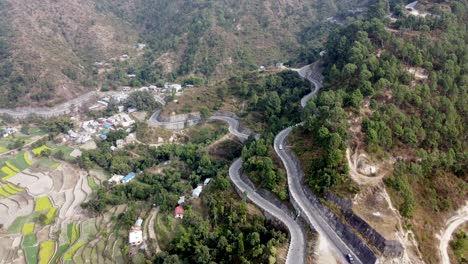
17	225
73	232
31	254
59	253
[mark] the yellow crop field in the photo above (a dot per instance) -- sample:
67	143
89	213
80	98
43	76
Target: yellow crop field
9	172
46	252
12	167
51	214
71	252
42	204
38	151
28	228
26	158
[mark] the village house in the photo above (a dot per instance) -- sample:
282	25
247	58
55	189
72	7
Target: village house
135	237
115	179
120	143
6	132
197	191
119	98
128	178
131	138
207	181
173	86
179	212
181	200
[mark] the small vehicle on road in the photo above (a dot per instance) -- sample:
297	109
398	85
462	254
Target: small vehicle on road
281	146
350	258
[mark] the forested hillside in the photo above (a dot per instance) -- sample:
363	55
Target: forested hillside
397	90
48	48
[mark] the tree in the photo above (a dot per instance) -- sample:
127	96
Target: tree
204	112
142	100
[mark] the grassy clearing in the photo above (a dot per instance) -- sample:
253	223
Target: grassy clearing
42	203
48	163
46	251
19	161
29	240
166	227
28	228
3	149
38	151
71	252
66	150
92	184
31	254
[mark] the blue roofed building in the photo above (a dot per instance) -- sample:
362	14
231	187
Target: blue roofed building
128	178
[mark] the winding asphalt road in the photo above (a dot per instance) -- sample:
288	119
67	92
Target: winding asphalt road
296	251
294	172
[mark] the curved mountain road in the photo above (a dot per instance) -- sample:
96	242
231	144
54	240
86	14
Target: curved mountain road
460	218
233	126
294	172
296	251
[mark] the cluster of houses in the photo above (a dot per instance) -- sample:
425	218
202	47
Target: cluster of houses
168	87
100	128
179	210
9	131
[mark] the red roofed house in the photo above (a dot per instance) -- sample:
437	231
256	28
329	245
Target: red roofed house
179	212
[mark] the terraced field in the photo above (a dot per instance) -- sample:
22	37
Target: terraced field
36	203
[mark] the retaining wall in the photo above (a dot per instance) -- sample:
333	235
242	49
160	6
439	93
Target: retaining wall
58	110
343	230
389	248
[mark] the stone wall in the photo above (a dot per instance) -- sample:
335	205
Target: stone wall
343	230
179	117
174	122
58	110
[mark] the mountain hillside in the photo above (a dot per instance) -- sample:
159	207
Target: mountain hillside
48	47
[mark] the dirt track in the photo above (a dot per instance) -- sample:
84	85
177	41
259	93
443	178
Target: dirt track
453	223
